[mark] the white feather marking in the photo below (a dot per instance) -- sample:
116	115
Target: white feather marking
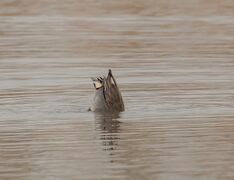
97	84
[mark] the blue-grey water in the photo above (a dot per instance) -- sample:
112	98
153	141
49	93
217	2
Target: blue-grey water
174	63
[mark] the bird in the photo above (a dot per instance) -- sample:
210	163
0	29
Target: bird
107	97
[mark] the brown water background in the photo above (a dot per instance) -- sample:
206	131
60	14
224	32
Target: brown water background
173	60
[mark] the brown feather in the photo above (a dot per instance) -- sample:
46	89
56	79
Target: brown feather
113	98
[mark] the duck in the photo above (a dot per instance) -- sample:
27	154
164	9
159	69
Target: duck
107	96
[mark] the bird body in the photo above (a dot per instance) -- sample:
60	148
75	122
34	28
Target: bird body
98	101
107	96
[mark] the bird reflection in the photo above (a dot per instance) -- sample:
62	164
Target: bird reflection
109	126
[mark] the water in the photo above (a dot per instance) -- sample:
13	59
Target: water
174	63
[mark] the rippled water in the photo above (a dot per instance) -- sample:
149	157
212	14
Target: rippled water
174	63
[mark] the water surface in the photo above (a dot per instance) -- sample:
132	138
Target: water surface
174	63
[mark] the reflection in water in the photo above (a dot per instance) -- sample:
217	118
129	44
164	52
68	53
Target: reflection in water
109	126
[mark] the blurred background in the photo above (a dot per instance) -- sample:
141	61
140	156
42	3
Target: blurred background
173	61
